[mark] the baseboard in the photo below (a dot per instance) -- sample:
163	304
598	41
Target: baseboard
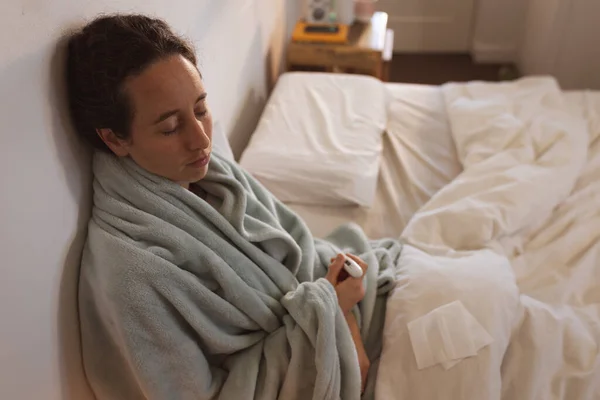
485	53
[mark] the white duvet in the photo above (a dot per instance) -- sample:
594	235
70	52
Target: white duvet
500	278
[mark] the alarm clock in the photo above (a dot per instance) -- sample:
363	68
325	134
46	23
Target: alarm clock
319	11
329	11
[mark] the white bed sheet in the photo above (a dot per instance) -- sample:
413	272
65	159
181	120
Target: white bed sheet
553	351
418	159
558	275
531	192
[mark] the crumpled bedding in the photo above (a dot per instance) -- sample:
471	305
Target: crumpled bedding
513	239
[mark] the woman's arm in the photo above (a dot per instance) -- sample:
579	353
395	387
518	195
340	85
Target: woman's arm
349	292
363	360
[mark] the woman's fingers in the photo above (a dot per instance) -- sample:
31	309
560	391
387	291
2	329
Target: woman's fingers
360	262
350	292
335	268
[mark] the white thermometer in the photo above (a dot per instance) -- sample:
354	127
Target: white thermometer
352	268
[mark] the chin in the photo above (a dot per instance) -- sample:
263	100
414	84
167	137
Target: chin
197	175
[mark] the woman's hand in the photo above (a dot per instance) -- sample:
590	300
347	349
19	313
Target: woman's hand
349	290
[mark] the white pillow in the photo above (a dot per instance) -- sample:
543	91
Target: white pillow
319	139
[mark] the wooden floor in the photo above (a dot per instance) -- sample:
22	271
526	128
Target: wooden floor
435	69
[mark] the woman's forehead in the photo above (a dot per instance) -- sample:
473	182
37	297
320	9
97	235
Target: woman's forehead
171	83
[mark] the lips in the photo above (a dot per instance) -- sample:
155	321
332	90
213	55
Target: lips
200	162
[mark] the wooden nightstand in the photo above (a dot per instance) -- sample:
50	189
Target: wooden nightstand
368	50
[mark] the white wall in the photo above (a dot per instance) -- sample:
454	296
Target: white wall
45	174
497	30
561	39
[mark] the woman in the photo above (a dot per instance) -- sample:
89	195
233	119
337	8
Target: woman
195	282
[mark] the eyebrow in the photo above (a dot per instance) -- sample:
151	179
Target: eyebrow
168	114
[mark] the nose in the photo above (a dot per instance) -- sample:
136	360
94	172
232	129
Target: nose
197	138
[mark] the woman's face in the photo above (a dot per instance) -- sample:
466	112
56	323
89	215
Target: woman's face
171	130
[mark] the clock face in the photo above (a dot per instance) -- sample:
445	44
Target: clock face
318	14
318	10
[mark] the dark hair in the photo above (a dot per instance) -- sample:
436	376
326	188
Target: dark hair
101	57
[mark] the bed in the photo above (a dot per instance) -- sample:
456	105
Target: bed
495	190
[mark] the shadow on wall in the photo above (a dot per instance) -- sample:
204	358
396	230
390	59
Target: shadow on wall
254	96
72	153
272	66
276	61
293	10
217	10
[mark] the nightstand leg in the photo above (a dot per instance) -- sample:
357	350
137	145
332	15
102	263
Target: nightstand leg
385	74
379	70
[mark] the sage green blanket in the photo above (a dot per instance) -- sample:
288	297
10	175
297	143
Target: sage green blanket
221	297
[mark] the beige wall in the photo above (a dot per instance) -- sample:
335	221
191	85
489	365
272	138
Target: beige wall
544	37
45	174
560	38
497	30
544	26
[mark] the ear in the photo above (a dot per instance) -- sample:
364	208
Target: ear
118	146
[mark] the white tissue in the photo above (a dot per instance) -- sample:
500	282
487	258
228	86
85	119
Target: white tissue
446	335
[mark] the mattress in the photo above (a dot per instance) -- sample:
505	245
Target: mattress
419	158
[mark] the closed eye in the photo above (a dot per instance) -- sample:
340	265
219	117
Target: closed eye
171	132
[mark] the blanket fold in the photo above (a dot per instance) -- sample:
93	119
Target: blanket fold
221	298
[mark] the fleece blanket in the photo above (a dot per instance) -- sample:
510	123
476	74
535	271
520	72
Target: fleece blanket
500	273
220	296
